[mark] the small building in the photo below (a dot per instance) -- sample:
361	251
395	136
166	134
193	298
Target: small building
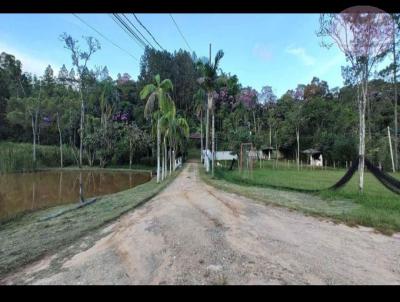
225	155
267	152
314	157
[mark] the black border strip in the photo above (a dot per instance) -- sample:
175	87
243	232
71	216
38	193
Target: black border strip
190	6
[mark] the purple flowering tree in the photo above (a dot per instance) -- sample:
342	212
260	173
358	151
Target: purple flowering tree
362	33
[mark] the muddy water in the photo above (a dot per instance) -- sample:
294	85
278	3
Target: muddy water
20	192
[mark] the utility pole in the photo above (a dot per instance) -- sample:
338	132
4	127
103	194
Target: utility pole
391	151
208	120
212	129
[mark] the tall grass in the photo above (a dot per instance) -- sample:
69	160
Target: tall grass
17	157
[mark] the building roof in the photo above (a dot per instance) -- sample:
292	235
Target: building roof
195	135
311	151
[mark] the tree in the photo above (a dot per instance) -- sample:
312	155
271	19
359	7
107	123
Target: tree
200	106
208	81
21	110
79	61
12	83
176	130
362	34
158	101
391	71
267	95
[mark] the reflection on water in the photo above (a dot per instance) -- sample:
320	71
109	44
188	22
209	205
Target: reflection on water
20	192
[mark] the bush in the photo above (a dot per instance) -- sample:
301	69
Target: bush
148	161
17	157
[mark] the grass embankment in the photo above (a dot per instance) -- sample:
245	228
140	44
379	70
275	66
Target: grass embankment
377	207
28	238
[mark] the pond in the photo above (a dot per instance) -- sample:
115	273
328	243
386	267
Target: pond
20	192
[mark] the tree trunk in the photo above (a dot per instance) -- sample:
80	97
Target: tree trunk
170	161
276	150
255	125
130	153
213	143
60	135
201	136
396	150
158	150
81	133
362	103
298	147
270	136
207	130
165	157
34	142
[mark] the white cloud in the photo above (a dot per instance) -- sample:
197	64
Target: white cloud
301	53
30	63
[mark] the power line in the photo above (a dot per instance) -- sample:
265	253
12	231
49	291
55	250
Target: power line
125	25
183	37
137	19
104	37
127	30
137	30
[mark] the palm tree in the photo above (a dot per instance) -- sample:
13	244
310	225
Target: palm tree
209	82
176	130
199	98
166	120
158	100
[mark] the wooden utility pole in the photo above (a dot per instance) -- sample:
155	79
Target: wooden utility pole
391	151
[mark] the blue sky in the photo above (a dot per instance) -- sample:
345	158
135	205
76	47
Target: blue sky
280	50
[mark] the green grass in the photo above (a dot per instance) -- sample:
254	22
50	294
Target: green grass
28	237
377	207
193	153
17	157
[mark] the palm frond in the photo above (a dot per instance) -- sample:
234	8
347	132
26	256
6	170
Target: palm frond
157	79
146	91
219	55
167	85
150	104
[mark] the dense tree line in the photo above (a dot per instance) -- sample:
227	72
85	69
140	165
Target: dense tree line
311	115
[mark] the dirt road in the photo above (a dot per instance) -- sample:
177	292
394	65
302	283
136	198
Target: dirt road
192	233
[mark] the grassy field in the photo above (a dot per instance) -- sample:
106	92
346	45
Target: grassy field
377	206
29	237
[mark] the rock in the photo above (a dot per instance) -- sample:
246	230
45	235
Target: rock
214	268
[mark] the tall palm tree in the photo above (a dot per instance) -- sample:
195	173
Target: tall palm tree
176	130
166	121
209	82
199	98
158	102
